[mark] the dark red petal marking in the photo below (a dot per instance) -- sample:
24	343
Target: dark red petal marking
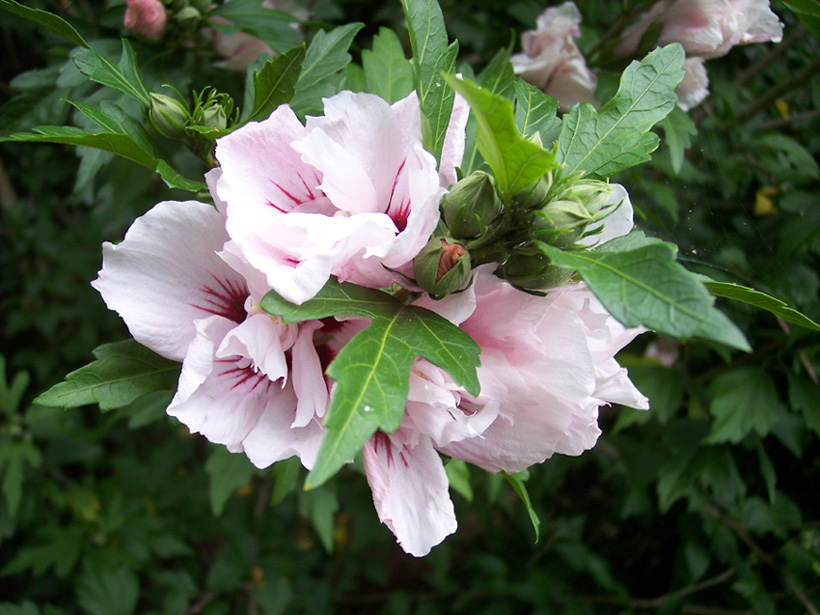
243	375
224	298
270	204
399	214
380	439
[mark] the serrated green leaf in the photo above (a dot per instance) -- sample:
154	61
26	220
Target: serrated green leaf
645	285
535	113
124	77
432	57
743	400
516	162
387	72
103	590
274	83
50	21
604	142
111	118
517	482
116	143
678	130
804	396
325	57
121	373
373	369
762	301
227	472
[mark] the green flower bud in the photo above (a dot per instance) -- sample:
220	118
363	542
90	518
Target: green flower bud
168	115
188	17
535	196
442	266
533	271
471	205
593	194
214	117
560	223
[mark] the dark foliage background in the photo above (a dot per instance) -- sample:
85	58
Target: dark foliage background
706	504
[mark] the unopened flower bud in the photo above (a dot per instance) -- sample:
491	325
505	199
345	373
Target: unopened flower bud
535	196
471	205
188	17
442	266
214	117
168	115
534	271
145	17
593	194
560	223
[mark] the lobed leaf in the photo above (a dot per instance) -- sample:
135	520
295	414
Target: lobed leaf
604	142
124	77
535	113
644	285
516	162
122	372
274	83
387	72
373	369
326	56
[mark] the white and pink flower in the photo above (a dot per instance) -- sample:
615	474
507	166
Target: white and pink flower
352	194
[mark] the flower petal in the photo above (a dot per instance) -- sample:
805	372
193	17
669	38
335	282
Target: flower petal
410	491
166	273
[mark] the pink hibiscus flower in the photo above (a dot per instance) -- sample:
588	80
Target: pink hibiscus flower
352	194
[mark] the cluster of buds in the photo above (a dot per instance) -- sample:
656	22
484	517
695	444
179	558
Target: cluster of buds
197	125
481	228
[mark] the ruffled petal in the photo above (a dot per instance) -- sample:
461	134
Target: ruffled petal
410	491
166	274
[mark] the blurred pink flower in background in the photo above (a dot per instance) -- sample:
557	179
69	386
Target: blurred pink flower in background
706	29
552	62
146	17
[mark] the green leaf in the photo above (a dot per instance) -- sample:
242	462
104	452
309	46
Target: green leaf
11	395
373	369
743	400
326	56
516	162
517	482
116	143
112	118
640	283
104	590
458	475
13	455
319	506
604	142
272	26
274	84
807	11
285	478
228	472
432	57
173	179
53	23
124	77
762	301
535	113
803	396
387	72
122	372
678	129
